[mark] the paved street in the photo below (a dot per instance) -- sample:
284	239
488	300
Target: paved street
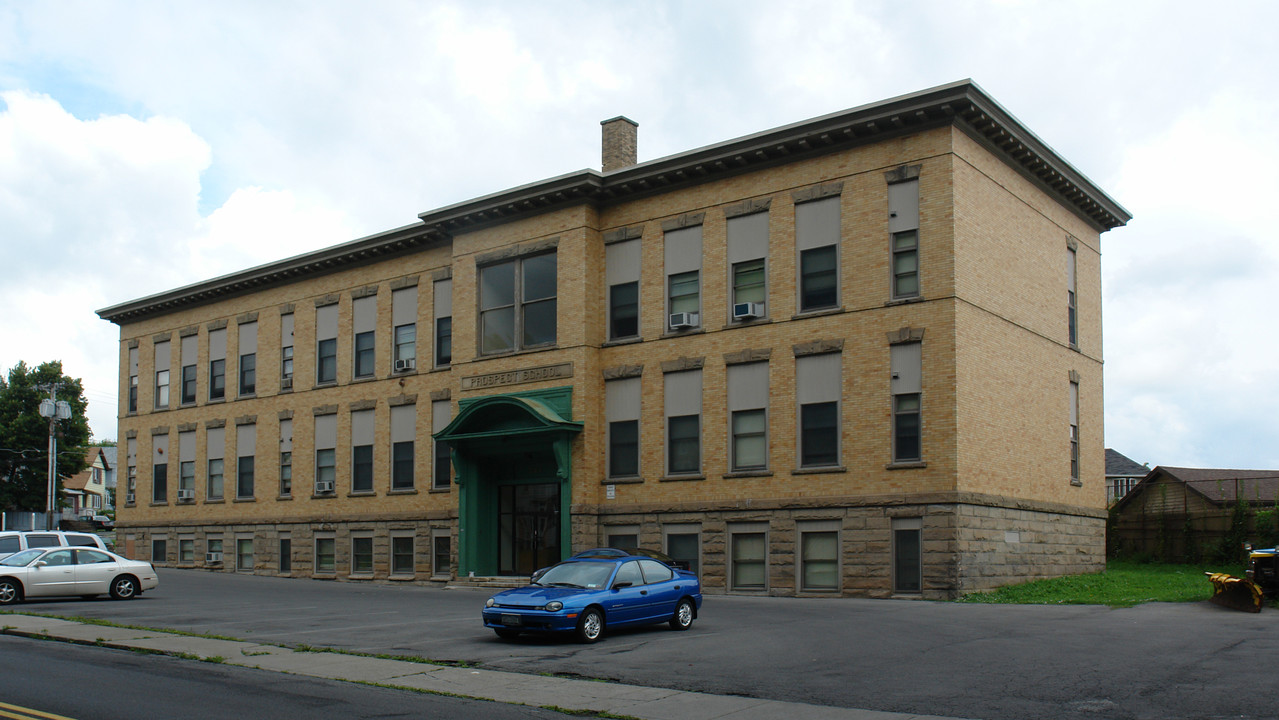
976	661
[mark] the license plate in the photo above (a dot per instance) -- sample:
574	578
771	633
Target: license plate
510	619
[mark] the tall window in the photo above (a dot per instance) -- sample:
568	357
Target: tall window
517	304
162	375
817	236
683	400
748	557
286	350
133	379
903	227
818	389
246	440
190	346
907	555
622	410
364	323
622	273
747	251
1072	310
131	472
325	554
362	554
286	458
248	358
403	432
443	303
286	553
326	344
160	469
404	322
244	554
907	386
1074	432
748	416
402	561
683	258
362	451
186	466
441	414
684	545
215	448
819	556
441	554
217	364
326	433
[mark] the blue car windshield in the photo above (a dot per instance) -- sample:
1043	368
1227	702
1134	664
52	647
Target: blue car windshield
578	575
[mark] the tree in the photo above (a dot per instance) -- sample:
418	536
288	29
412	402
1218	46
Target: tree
24	434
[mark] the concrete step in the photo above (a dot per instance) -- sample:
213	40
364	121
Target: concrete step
496	582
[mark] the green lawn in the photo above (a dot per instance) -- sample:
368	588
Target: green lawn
1123	584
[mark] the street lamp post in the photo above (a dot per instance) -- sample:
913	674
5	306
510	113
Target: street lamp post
55	410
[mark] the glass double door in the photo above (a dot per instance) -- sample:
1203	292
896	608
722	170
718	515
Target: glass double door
528	527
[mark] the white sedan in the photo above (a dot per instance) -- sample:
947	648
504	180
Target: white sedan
60	571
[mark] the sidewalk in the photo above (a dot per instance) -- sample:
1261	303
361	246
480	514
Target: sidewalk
536	690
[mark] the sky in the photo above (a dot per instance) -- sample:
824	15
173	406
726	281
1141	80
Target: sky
149	145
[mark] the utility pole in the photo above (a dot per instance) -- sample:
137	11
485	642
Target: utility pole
55	410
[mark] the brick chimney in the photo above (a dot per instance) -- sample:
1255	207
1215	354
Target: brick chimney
621	136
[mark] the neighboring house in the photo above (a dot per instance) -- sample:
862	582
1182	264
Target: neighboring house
1122	475
856	355
1173	508
108	498
86	491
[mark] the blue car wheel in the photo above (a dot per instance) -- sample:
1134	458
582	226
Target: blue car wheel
683	617
590	626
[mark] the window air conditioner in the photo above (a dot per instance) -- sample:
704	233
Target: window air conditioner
186	494
129	498
323	486
405	365
213	558
747	310
286	383
683	320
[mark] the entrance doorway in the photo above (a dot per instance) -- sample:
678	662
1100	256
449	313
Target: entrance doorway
528	527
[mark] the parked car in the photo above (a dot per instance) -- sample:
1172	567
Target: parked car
11	541
62	571
103	522
589	595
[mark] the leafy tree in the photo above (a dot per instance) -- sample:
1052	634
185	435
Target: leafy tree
24	434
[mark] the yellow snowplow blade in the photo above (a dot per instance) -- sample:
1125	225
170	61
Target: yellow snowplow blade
1234	593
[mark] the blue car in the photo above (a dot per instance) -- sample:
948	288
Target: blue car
586	596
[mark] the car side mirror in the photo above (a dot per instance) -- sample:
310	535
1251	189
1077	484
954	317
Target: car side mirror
40	563
622	584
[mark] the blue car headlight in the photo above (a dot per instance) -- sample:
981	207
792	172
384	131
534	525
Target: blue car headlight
489	603
554	606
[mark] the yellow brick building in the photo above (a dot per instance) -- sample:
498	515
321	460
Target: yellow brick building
857	355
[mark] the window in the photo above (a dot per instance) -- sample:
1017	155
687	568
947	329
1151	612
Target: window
325	554
364	322
747	252
518	304
683	545
190	347
819	556
286	350
443	301
361	555
160	483
162	375
362	451
683	262
622	410
817	236
131	472
403	431
441	414
286	554
404	322
248	358
748	559
326	344
1074	432
683	422
903	227
133	379
246	438
159	550
623	537
214	546
325	454
441	554
244	554
217	364
1072	309
748	416
907	555
286	458
186	466
402	560
819	387
906	360
215	448
622	273
215	478
186	550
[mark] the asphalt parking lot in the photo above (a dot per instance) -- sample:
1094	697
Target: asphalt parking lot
977	661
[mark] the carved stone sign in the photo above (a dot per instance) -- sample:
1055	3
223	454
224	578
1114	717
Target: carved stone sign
517	377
